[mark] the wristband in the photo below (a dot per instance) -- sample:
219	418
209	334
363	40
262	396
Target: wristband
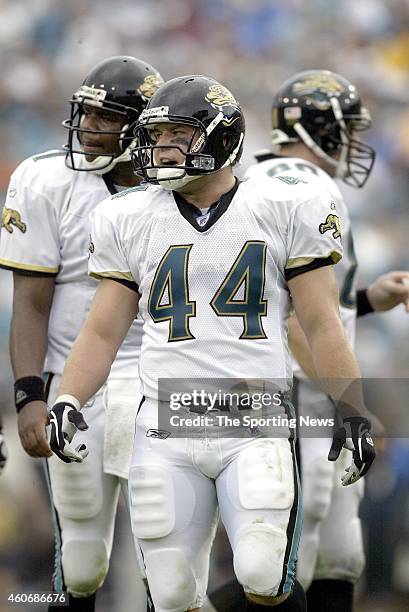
68	399
28	389
363	305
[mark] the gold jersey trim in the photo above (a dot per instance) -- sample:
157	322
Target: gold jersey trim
297	262
113	274
29	267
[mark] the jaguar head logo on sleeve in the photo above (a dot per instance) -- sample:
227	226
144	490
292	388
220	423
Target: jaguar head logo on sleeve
12	217
91	247
332	222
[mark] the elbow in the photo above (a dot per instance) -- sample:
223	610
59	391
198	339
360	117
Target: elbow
326	328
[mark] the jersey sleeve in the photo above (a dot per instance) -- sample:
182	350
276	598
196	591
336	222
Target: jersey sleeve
29	240
314	235
107	256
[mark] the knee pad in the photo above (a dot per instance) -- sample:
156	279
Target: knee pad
152	503
85	565
171	580
258	558
76	488
264	475
317	486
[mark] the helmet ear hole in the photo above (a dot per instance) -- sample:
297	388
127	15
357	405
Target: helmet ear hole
229	141
226	141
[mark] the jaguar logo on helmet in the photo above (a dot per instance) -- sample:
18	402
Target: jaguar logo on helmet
321	82
219	96
151	83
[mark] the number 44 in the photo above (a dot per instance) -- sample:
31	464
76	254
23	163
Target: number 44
171	280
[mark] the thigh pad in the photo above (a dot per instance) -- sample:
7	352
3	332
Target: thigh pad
265	475
152	501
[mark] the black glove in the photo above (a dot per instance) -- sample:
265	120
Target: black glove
354	435
65	420
3	452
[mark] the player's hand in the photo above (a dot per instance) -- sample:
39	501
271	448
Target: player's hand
31	422
3	453
389	290
379	434
354	435
65	420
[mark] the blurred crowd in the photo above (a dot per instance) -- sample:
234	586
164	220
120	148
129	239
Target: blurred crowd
47	46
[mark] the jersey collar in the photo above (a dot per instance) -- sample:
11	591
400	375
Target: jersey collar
194	216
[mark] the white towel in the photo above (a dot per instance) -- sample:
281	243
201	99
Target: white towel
121	401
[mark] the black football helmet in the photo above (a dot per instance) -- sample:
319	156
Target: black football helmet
121	84
217	141
323	110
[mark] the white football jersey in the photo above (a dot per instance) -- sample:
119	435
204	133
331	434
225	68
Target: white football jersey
346	270
46	230
214	297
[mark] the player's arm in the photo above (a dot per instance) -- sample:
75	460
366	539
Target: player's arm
386	292
30	248
315	299
113	309
299	346
32	299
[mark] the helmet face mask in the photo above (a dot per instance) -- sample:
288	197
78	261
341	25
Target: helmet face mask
121	87
217	125
323	110
192	162
113	139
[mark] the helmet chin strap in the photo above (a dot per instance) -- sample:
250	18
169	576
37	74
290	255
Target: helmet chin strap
164	176
101	166
340	165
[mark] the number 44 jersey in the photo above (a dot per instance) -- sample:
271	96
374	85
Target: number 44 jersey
213	284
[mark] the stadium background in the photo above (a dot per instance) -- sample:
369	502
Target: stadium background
47	46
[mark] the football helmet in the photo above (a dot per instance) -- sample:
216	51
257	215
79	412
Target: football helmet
323	110
122	85
218	130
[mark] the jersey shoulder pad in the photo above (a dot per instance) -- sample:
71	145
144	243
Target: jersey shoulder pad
43	173
48	155
283	187
133	202
125	192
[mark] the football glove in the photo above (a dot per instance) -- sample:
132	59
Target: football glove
354	435
3	452
65	420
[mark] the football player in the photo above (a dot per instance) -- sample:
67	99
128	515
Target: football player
44	241
210	262
317	118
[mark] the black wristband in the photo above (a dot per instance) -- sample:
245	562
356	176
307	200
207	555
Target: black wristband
28	389
362	303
